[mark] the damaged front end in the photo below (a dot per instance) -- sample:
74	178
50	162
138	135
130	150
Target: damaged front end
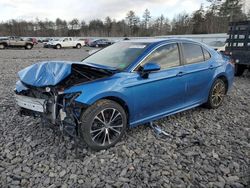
40	92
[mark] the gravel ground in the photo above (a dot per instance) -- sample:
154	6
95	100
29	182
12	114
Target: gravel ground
209	148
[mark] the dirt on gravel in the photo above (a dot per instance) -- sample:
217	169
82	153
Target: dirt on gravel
209	148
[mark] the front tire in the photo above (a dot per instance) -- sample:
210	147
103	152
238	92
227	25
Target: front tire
103	124
2	46
58	46
216	94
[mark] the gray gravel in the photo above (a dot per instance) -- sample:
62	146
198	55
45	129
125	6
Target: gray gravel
209	148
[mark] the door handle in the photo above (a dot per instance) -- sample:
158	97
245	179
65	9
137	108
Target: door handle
211	67
180	73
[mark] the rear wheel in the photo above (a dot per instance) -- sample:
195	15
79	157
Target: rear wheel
28	46
2	46
239	69
78	46
103	124
217	94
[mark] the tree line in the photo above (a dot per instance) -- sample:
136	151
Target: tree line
205	20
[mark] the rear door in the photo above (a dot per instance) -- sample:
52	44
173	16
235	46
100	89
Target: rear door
198	72
164	90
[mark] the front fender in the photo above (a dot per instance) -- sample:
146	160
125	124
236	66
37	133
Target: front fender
105	88
91	99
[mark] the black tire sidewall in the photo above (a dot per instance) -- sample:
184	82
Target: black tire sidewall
87	120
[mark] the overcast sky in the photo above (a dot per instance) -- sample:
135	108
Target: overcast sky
91	9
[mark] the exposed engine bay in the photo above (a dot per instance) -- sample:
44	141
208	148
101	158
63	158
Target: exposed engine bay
51	104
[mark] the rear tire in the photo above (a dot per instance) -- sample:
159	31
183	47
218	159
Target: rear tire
78	46
216	94
239	69
28	46
103	124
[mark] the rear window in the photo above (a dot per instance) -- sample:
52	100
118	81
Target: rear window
207	55
192	53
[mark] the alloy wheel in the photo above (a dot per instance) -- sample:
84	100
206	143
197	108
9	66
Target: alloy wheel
218	93
107	126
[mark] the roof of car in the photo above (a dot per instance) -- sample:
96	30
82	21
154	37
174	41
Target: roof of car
159	40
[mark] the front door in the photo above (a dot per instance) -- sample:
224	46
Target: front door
163	91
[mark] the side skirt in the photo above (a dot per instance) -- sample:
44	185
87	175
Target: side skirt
161	115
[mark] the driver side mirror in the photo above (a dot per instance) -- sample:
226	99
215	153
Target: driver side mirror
149	67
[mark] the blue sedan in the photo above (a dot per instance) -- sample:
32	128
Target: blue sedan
124	85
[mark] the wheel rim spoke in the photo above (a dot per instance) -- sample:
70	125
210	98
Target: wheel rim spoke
103	117
97	134
117	126
112	115
117	115
100	120
96	130
105	135
115	130
108	138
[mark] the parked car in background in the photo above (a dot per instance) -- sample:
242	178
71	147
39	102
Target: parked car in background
33	40
47	44
86	41
126	84
15	42
66	42
46	40
100	43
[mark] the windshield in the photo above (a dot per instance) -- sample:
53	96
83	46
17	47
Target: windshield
118	56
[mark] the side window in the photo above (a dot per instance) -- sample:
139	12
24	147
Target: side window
192	53
166	56
66	40
207	55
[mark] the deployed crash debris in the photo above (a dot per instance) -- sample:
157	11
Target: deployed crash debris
159	132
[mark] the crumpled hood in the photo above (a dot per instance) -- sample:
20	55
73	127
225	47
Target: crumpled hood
47	73
50	73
